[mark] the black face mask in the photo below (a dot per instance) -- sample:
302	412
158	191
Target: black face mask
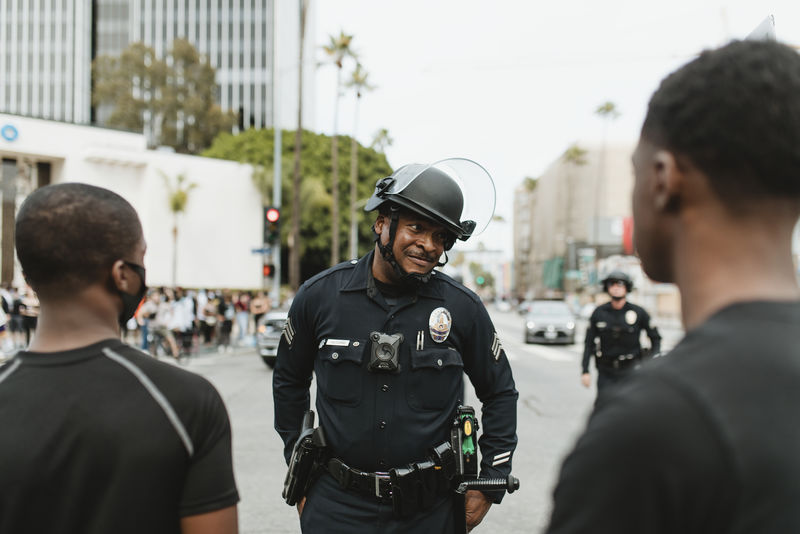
130	303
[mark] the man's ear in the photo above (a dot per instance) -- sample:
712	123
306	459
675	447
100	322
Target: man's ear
669	181
121	277
379	222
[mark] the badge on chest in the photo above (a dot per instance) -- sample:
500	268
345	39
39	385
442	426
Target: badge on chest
439	324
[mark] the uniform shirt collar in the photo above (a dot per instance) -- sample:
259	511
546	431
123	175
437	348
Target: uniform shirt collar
361	280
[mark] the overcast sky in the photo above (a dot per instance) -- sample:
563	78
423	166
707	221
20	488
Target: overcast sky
511	84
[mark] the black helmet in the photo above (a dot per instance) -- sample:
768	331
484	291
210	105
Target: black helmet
618	275
428	191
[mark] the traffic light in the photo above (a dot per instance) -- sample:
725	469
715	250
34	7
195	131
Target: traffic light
480	280
272	225
269	270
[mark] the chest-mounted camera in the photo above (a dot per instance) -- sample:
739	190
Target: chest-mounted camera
384	352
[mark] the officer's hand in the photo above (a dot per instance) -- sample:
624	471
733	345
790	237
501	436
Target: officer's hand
300	505
586	380
476	505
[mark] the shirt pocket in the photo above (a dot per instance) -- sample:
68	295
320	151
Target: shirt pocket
340	374
436	377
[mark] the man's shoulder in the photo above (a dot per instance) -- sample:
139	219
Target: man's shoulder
453	287
330	274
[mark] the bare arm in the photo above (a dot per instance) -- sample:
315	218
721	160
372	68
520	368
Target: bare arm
223	521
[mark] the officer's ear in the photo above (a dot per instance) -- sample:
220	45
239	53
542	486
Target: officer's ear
380	221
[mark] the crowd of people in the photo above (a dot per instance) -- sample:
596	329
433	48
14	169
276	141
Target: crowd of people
176	322
169	322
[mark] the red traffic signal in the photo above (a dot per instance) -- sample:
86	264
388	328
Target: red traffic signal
272	215
269	270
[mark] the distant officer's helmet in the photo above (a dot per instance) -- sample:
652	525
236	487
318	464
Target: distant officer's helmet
432	192
614	276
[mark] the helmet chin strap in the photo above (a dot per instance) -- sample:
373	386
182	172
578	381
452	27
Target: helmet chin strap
405	278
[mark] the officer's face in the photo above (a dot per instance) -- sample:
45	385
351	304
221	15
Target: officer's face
617	289
652	209
418	243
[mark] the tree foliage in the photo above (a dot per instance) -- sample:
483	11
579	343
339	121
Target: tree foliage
316	201
171	99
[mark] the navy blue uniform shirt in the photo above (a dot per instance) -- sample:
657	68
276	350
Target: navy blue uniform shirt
377	421
619	332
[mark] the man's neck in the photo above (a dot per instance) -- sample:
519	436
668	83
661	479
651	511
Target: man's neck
750	261
618	304
74	323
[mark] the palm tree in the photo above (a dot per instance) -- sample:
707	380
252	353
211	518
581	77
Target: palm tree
380	140
608	112
177	197
573	157
337	50
358	81
294	238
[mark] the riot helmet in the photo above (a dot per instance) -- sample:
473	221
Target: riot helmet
615	276
457	193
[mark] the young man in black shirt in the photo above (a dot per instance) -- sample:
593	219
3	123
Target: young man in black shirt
99	437
705	439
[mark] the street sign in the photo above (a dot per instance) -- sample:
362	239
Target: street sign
263	250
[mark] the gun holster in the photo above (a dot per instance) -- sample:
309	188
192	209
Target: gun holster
306	461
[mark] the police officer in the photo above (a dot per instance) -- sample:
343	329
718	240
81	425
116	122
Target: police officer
618	325
389	340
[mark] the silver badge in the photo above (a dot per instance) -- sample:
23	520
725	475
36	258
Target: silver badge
630	317
439	324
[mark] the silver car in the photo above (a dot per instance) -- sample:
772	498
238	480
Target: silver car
549	321
268	334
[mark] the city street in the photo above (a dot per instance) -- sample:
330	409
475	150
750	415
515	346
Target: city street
552	410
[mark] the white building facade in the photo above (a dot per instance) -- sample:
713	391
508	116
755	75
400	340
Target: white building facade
216	234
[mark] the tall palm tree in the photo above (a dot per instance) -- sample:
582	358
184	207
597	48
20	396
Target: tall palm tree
358	81
380	140
337	50
608	112
294	238
574	157
178	198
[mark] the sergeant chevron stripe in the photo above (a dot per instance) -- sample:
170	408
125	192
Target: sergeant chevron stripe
288	331
497	347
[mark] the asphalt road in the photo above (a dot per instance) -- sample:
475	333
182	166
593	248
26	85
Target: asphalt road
552	410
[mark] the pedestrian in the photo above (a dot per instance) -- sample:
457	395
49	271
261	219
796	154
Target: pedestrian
389	339
705	439
613	335
226	312
259	306
241	303
105	439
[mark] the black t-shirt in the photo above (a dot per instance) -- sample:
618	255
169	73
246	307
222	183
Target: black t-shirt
705	439
106	439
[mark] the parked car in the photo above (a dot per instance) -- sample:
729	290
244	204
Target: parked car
268	335
549	321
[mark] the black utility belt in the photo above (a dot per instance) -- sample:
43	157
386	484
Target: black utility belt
409	489
621	361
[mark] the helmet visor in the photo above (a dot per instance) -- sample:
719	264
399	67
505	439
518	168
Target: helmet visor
477	187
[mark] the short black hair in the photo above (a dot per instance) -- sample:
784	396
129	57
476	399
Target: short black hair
734	113
69	235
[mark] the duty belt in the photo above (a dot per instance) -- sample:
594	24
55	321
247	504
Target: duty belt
376	484
621	361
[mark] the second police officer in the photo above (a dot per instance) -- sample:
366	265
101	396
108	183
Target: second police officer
613	335
385	411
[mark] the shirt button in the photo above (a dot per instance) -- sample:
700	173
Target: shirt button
356	343
382	425
439	362
385	387
335	356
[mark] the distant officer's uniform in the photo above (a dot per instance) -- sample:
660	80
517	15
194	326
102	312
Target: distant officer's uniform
375	421
618	332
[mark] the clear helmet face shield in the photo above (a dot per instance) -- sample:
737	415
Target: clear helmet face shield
475	182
